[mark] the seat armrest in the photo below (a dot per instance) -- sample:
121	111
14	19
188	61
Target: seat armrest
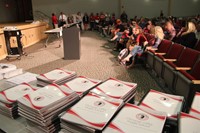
172	60
183	68
196	81
160	53
154	49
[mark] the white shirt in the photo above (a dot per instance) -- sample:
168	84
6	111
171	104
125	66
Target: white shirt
63	17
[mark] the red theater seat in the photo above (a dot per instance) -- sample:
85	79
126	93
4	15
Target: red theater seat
186	62
163	48
172	55
187	84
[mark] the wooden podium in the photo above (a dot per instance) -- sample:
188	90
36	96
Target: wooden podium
71	43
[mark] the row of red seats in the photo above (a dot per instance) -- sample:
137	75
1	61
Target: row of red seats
179	67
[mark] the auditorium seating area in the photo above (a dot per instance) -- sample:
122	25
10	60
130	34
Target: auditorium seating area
132	74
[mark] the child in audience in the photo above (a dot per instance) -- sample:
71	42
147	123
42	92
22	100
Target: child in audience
137	47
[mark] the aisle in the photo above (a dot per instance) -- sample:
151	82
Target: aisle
97	61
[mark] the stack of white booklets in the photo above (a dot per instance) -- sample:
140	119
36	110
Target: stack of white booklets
188	123
9	70
43	106
58	76
132	118
81	85
168	104
195	108
8	99
91	114
115	88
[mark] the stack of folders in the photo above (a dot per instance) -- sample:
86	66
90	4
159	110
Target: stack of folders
42	107
81	85
195	108
9	70
169	104
58	76
91	114
8	99
188	124
136	119
115	88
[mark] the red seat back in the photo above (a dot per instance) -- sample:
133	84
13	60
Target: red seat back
175	51
188	58
164	46
197	47
196	71
150	39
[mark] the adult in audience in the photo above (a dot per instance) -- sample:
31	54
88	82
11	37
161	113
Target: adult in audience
79	20
70	19
188	38
124	17
170	31
92	21
85	21
62	19
54	21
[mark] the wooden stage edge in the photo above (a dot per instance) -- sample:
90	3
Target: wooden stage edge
32	33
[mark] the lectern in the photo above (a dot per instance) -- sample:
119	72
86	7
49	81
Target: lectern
71	43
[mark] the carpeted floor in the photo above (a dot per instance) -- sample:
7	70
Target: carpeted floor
97	61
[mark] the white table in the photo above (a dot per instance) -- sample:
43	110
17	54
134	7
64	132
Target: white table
54	32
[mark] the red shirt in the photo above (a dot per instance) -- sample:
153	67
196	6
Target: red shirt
141	39
54	19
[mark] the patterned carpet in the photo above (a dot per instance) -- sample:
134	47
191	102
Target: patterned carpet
97	61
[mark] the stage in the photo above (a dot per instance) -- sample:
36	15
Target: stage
31	34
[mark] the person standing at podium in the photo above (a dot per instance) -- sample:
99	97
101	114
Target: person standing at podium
79	20
62	19
54	21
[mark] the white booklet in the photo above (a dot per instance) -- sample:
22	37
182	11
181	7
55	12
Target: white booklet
116	88
92	111
23	78
4	68
195	108
166	103
133	118
56	75
45	97
12	94
188	124
81	84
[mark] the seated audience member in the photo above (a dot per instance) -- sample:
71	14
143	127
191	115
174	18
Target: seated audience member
183	28
118	31
137	46
123	40
188	38
85	21
171	32
147	28
159	35
142	23
54	21
62	19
